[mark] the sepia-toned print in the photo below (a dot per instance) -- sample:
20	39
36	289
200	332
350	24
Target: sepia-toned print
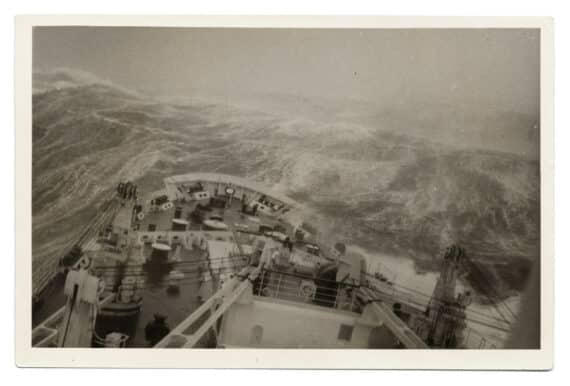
290	188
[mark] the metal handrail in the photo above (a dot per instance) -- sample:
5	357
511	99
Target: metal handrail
288	286
50	325
216	305
45	270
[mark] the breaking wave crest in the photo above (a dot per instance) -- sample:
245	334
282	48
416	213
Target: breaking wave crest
376	188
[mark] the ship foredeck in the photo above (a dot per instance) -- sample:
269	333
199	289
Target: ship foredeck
202	243
201	252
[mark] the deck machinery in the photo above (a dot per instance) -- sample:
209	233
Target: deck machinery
222	261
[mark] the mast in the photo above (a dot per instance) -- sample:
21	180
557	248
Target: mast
446	310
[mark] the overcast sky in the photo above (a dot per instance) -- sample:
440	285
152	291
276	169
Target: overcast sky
497	66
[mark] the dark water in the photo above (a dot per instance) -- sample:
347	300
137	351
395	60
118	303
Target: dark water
373	187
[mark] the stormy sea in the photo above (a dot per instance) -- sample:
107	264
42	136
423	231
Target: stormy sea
376	177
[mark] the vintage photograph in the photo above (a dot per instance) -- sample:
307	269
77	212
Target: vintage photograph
285	188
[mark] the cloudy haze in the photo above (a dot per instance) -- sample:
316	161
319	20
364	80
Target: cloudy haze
488	76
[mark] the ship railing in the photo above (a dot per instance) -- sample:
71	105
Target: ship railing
389	294
46	333
44	269
193	329
43	272
190	332
420	301
306	289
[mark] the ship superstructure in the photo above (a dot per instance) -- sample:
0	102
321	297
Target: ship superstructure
229	263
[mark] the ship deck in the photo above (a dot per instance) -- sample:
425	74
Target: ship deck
201	274
241	227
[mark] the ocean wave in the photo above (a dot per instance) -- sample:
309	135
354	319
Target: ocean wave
377	188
